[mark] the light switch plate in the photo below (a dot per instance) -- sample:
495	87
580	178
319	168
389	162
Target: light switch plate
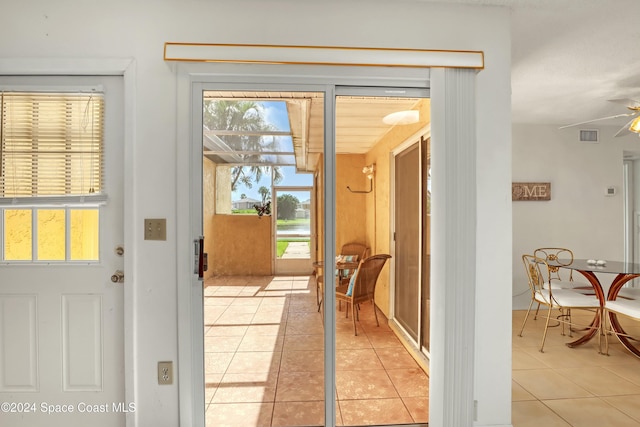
155	229
165	373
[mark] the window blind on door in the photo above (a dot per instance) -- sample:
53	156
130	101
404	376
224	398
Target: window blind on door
51	148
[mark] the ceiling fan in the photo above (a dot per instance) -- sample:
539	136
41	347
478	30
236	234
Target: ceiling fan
632	126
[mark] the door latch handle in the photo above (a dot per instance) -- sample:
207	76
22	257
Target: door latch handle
199	263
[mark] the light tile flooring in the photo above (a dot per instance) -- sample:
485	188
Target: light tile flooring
264	366
264	360
572	386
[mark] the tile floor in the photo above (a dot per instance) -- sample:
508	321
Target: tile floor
572	386
264	360
264	352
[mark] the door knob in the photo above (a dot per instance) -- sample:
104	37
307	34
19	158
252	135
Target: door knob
117	277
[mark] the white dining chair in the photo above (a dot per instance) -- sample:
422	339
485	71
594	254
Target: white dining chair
543	292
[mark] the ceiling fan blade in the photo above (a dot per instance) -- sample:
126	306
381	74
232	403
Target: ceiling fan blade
629	103
597	120
624	130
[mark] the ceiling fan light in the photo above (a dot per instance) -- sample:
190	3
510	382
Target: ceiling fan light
406	117
635	125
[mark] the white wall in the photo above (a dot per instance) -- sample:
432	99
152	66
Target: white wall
579	216
138	30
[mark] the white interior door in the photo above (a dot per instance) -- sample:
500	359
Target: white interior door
61	323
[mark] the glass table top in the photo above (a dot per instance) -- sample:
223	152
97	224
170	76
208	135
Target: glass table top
613	267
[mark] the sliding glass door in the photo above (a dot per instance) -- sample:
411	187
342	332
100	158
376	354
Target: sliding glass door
412	224
407	240
278	348
379	381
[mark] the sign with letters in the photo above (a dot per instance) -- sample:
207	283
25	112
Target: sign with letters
530	191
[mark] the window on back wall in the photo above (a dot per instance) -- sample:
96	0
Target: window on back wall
51	176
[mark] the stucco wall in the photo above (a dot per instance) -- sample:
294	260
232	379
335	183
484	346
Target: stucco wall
242	245
350	207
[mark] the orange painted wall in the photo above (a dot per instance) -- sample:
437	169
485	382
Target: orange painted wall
350	214
242	245
350	207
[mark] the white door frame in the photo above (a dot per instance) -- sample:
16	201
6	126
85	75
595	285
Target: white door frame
452	329
125	67
296	266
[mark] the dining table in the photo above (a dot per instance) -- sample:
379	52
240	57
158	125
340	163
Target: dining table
624	272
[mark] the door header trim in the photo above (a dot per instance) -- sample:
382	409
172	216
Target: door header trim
322	55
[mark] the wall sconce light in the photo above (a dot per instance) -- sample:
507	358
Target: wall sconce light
367	170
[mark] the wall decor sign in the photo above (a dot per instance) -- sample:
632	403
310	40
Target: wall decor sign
534	191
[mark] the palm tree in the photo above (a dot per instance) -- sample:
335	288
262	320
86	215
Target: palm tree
265	193
243	116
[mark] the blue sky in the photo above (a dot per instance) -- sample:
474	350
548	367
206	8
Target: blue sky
276	115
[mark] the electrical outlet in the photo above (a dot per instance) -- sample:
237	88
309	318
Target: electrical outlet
155	229
165	373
